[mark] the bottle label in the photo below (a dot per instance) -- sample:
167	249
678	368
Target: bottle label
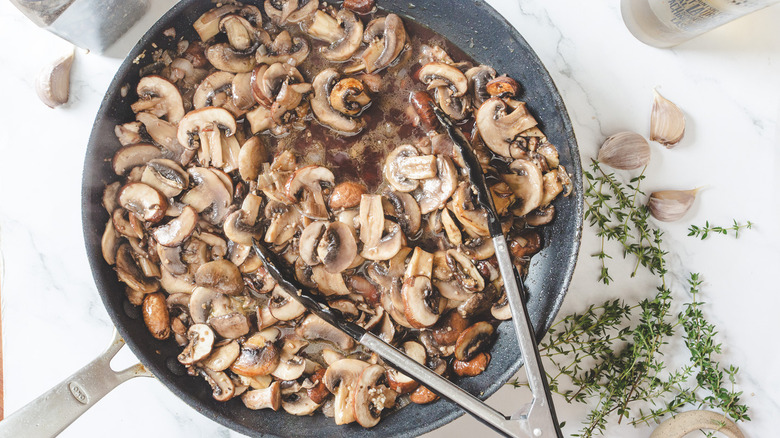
702	15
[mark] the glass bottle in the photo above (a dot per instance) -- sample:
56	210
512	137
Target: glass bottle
90	24
666	23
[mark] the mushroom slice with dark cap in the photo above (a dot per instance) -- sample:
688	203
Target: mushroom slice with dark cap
164	133
204	302
109	243
473	340
289	11
240	33
437	190
251	158
299	403
130	273
503	86
290	366
389	244
328	284
258	357
220	275
323	109
143	201
207	25
226	58
166	176
207	124
222	385
399	382
405	209
371	397
499	123
160	97
386	38
540	216
284	48
209	195
527	183
395	173
201	338
242	225
422	303
310	238
439	74
500	310
267	398
314	327
466	274
230	326
311	179
178	229
457	108
214	90
284	307
337	247
134	155
340	378
222	357
352	31
478	78
472	218
349	97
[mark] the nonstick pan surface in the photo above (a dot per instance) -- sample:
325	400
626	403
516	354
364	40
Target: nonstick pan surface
481	33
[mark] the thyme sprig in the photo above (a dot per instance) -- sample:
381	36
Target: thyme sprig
612	355
704	232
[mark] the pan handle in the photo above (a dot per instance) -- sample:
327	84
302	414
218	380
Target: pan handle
52	412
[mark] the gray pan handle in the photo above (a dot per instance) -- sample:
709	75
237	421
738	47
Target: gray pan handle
52	412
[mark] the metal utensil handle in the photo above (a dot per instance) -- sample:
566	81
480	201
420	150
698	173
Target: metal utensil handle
52	412
441	386
540	414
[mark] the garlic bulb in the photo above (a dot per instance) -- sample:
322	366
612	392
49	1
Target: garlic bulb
53	82
625	151
671	205
667	122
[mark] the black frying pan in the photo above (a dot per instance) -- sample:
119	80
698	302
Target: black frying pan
485	36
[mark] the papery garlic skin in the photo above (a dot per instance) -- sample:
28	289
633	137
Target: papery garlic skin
667	121
53	82
625	151
671	205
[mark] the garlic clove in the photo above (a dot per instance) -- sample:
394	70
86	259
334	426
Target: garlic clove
53	82
671	205
625	151
667	122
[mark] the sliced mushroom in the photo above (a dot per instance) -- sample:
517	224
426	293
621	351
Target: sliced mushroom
109	243
346	195
283	225
143	201
449	327
312	179
283	307
478	78
466	274
473	367
370	397
165	134
257	358
389	244
284	48
471	217
399	382
134	155
395	174
222	357
328	284
204	302
348	97
220	275
473	340
503	86
404	208
165	176
323	109
422	303
231	326
209	195
500	310
207	124
527	183
337	247
439	74
160	97
299	403
251	157
499	123
267	398
289	11
207	25
540	216
215	90
386	38
352	34
290	366
222	386
436	191
201	339
178	229
224	57
314	327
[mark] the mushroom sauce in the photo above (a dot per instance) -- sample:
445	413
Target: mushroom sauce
310	128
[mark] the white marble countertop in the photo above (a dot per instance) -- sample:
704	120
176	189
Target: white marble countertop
726	82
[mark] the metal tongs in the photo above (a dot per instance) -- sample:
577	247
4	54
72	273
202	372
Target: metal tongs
535	419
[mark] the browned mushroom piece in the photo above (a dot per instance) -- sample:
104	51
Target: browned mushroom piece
399	382
422	302
267	398
472	217
500	122
289	11
284	48
220	275
207	25
474	340
503	86
201	338
143	201
473	367
202	129
343	32
527	183
466	274
134	155
389	244
478	78
130	273
222	386
314	327
178	229
258	357
341	378
337	247
540	216
299	403
437	190
222	356
209	195
160	97
216	90
165	176
448	328
405	209
231	326
500	309
283	307
402	161
371	396
386	38
311	179
346	195
349	97
322	107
